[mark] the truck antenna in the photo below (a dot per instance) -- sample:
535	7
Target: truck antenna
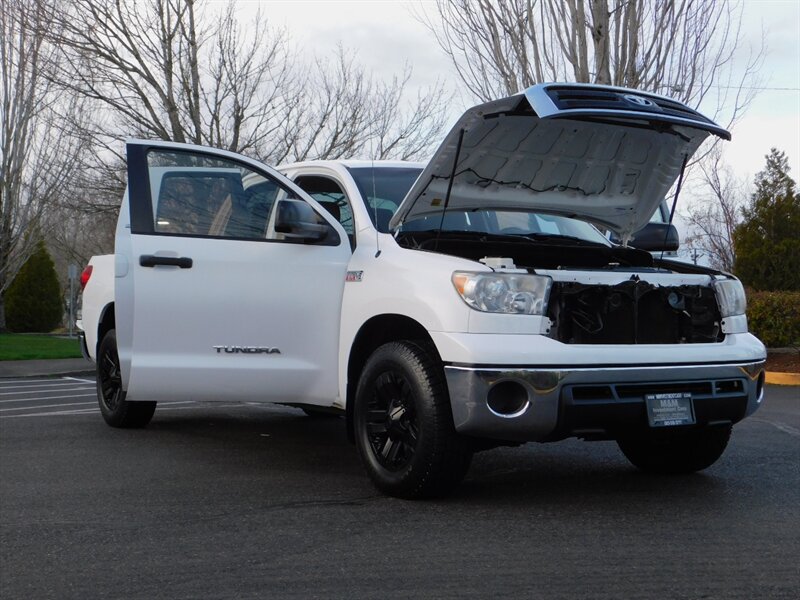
449	187
374	197
375	211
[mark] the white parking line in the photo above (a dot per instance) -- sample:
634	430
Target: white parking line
780	426
45	406
37	407
85	411
43	385
8	400
50	398
5	381
73	388
55	413
78	379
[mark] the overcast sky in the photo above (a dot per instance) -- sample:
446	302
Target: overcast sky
385	35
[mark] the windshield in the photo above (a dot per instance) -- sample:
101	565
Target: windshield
383	189
506	222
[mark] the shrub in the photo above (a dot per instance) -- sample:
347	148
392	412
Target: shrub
774	317
33	300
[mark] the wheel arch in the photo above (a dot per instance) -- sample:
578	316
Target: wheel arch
105	323
376	331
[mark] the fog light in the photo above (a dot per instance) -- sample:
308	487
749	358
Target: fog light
508	399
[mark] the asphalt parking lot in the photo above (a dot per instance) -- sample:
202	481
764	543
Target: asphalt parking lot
237	501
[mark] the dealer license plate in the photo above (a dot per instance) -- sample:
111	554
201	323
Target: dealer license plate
669	410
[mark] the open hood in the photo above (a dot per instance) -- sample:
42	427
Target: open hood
603	154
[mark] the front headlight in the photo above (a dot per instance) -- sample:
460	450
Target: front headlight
730	297
509	293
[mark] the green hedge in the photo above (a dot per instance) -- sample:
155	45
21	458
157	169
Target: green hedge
774	317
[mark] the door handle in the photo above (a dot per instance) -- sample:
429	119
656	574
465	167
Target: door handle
150	260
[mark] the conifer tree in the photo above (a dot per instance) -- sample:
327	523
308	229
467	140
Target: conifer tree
767	242
33	301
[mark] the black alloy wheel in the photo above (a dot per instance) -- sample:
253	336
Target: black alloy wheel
116	410
109	377
392	421
404	425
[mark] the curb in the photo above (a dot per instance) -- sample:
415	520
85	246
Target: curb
45	368
775	378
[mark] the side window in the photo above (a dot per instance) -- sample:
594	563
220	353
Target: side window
331	196
205	196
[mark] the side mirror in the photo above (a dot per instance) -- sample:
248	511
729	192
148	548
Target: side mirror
297	221
655	237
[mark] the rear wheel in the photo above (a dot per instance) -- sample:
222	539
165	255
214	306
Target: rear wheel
404	426
116	410
694	451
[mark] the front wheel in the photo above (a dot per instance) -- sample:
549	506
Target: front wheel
694	451
116	410
404	426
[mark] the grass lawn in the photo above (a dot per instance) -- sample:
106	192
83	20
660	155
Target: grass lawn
17	346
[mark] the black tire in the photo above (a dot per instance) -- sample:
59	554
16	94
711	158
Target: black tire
117	411
404	426
693	451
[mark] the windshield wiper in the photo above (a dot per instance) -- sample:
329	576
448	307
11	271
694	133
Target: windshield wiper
516	237
552	236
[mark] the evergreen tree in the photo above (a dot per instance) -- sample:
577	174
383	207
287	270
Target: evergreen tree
33	301
767	242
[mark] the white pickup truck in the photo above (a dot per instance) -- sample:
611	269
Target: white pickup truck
441	310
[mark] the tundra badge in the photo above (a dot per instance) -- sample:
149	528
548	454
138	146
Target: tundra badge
245	350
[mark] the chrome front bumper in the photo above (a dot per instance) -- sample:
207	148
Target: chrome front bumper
597	403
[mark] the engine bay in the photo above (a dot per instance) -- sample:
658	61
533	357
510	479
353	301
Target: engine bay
633	312
598	309
553	253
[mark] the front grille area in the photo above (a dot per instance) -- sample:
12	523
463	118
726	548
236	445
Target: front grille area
637	391
571	98
610	411
696	388
633	312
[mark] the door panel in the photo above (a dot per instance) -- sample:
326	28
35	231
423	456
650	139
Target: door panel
220	312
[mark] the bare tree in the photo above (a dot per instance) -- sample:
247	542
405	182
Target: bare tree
680	48
38	148
406	132
353	113
161	72
167	69
716	211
